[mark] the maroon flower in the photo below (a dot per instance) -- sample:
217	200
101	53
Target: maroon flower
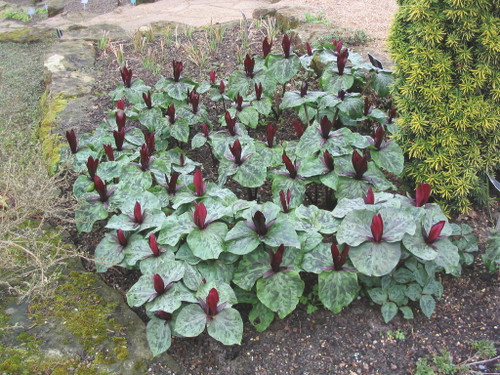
119	138
120	104
138	214
120	118
309	49
212	77
231	124
159	285
360	164
177	66
204	130
194	99
422	194
239	102
285	44
392	115
377	228
160	314
120	238
211	302
73	143
147	99
339	258
101	189
369	198
126	76
92	165
222	87
266	47
342	60
378	137
270	133
150	142
328	161
199	186
337	44
258	91
171	184
200	215
153	245
299	129
285	200
259	221
303	89
171	113
277	258
325	126
236	152
145	158
291	168
367	107
249	65
434	233
108	149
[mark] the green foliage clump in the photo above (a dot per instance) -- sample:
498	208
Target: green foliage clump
447	92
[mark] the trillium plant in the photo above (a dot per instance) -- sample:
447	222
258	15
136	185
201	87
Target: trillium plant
292	183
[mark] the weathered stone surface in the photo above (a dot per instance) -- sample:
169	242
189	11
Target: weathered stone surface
290	18
55	7
3	5
308	32
70	84
77	54
263	13
12	32
95	32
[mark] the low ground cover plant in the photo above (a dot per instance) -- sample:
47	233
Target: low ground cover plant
279	207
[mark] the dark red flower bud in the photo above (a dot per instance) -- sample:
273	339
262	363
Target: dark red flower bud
145	158
200	215
92	165
120	118
194	99
119	138
326	126
369	198
434	233
199	186
239	102
392	115
222	87
138	213
153	245
236	151
338	258
160	314
120	105
177	66
299	129
182	160
285	44
285	201
309	49
249	65
258	91
171	113
422	194
212	77
303	89
378	137
73	144
266	47
292	170
342	60
337	44
259	221
277	258
231	124
377	228
120	237
108	149
367	105
204	129
171	185
341	94
328	161
126	76
360	164
270	133
147	99
211	301
150	142
101	189
159	285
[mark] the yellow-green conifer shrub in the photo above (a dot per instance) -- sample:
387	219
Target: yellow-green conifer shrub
447	92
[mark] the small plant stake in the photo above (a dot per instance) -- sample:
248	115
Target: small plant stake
31	12
85	2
